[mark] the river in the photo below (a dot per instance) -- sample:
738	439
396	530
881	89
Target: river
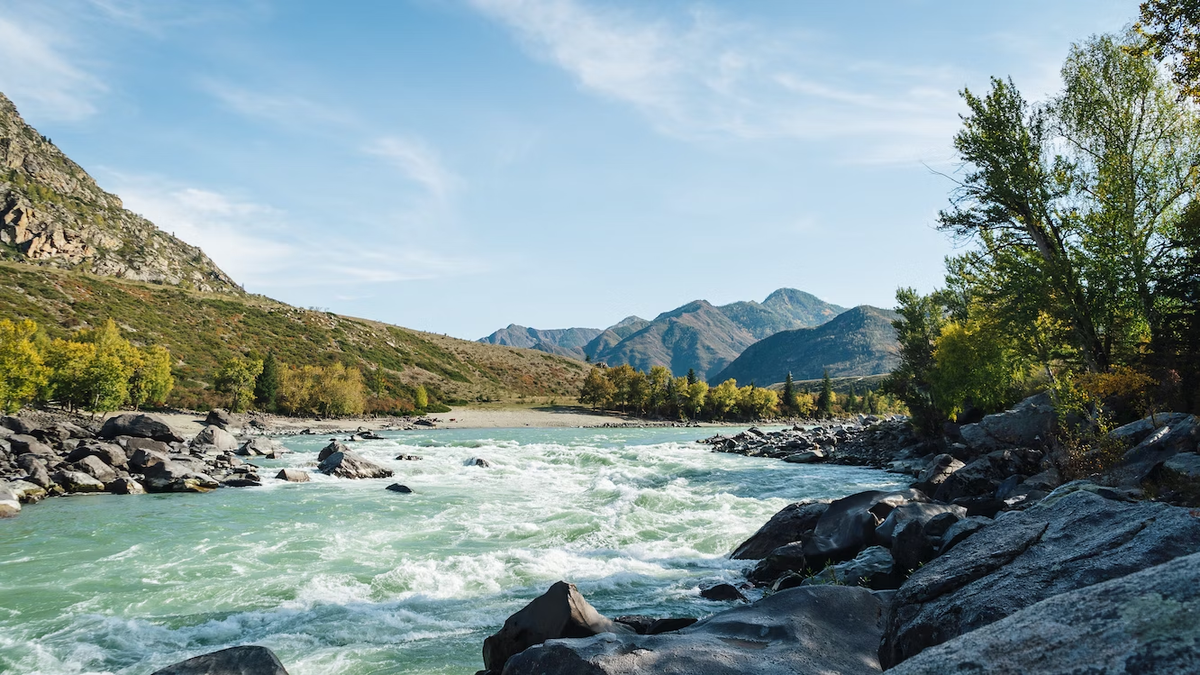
341	577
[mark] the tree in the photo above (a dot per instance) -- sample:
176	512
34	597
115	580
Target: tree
917	330
266	386
756	403
691	376
236	377
22	373
152	380
788	403
659	382
421	398
620	377
851	401
597	389
827	399
697	398
1172	32
723	398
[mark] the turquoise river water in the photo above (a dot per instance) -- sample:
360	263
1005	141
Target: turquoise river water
342	577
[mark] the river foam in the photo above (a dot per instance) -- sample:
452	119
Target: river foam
342	577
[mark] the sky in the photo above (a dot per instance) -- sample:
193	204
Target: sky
458	165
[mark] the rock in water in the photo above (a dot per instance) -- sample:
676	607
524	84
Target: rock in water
352	465
1142	623
1071	540
396	487
783	528
139	425
819	629
722	593
261	446
250	660
293	475
9	504
334	446
561	612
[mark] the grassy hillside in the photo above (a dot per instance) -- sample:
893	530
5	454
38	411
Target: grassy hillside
203	329
860	341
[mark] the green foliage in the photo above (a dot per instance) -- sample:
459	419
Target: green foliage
597	390
421	398
237	377
22	373
787	403
827	399
329	391
920	325
722	399
1172	32
152	380
266	386
975	367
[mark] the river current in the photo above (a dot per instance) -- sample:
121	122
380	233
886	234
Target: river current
341	577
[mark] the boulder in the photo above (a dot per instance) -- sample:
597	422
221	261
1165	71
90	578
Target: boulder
125	486
408	458
35	470
936	472
26	492
1185	465
785	527
396	487
24	443
1065	543
352	465
216	437
139	425
1028	425
16	425
911	546
819	629
478	461
220	418
917	511
1141	623
145	460
77	481
1135	432
10	504
938	525
786	558
649	625
248	660
873	568
722	593
805	457
134	443
962	529
1159	446
96	468
109	453
560	612
983	477
261	446
848	525
185	482
334	446
293	475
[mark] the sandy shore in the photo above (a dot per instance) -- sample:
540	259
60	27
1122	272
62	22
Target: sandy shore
189	424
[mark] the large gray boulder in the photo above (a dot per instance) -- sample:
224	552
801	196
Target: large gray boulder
1145	622
983	476
25	444
96	468
785	527
77	481
813	629
917	511
334	446
110	453
139	425
249	660
560	612
873	568
1074	538
293	475
216	437
1135	432
1027	425
848	525
261	446
36	470
350	464
10	504
220	418
1156	448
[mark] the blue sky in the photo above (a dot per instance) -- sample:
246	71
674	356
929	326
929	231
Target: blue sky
457	165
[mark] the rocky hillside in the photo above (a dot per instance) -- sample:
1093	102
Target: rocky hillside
203	329
698	336
52	213
860	341
562	341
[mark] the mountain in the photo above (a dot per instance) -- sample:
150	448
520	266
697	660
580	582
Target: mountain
860	341
785	309
72	257
613	335
52	213
562	341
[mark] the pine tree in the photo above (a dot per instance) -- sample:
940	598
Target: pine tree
826	400
691	376
266	387
788	405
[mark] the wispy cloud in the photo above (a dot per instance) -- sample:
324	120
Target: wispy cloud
418	161
41	75
286	109
708	74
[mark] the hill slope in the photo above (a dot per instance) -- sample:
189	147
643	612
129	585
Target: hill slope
203	329
52	213
562	341
860	341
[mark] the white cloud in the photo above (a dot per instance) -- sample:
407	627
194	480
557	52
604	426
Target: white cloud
418	162
40	75
709	75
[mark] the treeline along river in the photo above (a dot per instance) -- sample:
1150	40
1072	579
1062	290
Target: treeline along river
343	577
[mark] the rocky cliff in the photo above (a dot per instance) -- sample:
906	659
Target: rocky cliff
52	213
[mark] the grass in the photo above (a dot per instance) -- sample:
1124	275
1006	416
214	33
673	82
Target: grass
204	329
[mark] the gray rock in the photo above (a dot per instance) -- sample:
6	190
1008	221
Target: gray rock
911	546
23	443
1136	432
916	511
248	660
334	446
293	475
1163	444
1028	425
1186	465
962	529
36	470
220	418
560	612
805	457
1141	623
133	444
478	461
786	558
145	460
10	504
936	472
785	527
26	492
397	487
125	486
109	453
352	465
874	567
937	526
138	425
408	458
216	437
186	482
16	425
96	468
77	481
722	593
818	629
261	446
983	477
1069	543
848	525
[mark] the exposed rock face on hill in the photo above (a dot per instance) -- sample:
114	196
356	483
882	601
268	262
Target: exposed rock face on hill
53	213
562	341
860	341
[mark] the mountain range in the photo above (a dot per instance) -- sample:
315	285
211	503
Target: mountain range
71	256
698	336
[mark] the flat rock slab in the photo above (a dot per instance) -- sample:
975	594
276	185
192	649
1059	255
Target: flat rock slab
1072	540
824	629
249	660
1147	622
